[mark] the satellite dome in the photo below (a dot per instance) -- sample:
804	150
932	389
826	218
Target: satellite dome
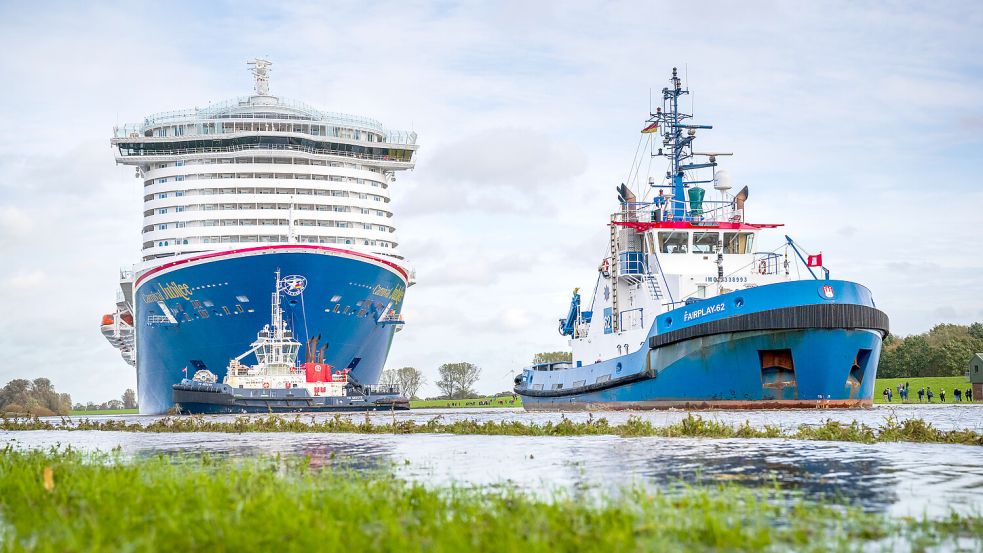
722	181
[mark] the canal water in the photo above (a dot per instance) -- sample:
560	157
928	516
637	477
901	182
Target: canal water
901	479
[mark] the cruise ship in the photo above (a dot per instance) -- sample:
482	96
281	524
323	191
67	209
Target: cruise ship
237	191
688	311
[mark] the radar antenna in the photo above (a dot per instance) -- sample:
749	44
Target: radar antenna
261	70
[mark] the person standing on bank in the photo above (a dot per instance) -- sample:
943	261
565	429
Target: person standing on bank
942	395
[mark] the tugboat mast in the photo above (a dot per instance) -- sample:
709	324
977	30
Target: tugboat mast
678	147
279	325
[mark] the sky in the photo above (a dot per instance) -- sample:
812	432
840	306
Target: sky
858	125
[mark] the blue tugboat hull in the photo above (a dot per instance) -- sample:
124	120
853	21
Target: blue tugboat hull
798	344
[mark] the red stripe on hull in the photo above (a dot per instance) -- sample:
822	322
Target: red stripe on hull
211	255
695	404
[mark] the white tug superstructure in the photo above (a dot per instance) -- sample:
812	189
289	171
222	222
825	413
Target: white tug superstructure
276	352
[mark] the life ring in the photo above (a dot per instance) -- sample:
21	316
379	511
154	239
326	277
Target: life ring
606	266
266	385
763	267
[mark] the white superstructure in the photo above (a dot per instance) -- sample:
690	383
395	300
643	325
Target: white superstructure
261	170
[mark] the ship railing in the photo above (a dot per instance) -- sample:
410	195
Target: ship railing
767	263
135	152
241	108
662	210
381	389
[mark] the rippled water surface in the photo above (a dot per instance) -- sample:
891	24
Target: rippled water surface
947	416
901	479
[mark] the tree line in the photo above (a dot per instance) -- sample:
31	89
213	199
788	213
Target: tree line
127	401
945	350
39	398
33	397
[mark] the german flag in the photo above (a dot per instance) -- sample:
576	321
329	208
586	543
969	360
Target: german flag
654	127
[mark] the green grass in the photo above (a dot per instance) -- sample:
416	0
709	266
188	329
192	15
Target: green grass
490	402
948	383
693	426
66	501
84	412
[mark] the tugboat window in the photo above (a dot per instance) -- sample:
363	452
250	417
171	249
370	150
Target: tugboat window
738	242
673	242
705	242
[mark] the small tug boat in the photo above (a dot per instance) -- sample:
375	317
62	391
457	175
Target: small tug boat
685	313
277	384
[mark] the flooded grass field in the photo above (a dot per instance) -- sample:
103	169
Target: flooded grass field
898	479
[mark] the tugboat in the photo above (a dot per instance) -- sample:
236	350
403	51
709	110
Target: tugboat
685	313
277	384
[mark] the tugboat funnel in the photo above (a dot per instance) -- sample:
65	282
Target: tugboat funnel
741	197
696	201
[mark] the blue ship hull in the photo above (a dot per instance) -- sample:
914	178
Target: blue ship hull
795	344
218	302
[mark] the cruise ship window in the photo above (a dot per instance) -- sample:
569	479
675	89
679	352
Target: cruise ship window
673	242
705	242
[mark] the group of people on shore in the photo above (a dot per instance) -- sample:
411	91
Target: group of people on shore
902	391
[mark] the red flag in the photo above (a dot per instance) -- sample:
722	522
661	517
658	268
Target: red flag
815	260
185	371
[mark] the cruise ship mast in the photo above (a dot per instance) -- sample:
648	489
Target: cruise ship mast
261	70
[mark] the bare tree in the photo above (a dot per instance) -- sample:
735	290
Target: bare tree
129	399
446	383
457	380
389	378
409	380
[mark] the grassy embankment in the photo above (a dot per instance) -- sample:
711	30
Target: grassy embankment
693	426
68	501
477	402
947	383
84	412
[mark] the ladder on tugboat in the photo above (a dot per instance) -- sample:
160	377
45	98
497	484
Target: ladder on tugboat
652	285
615	318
